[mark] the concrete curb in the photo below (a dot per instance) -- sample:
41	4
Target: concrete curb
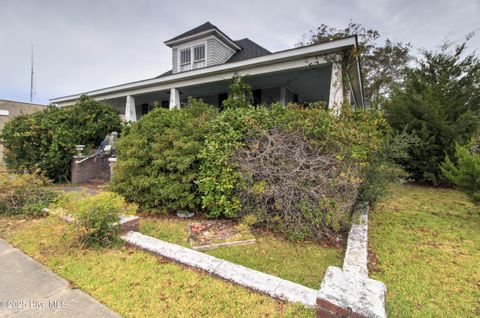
348	292
273	286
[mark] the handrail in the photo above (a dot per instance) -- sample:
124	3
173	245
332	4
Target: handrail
86	158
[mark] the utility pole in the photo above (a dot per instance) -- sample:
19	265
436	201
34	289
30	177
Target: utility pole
31	78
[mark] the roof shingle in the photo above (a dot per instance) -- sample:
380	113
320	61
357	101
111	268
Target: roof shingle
201	28
249	50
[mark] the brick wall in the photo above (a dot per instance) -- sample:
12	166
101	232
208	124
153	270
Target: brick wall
95	168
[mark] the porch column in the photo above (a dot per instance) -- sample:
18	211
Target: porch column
130	111
283	95
335	100
174	98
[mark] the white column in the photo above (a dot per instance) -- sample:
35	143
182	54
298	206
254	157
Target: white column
335	100
174	98
130	111
283	95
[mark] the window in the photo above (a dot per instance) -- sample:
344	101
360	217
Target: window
185	58
199	56
192	58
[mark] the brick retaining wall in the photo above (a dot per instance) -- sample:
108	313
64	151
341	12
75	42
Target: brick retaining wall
96	168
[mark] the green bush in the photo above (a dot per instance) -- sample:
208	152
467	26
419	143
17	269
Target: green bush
219	180
465	173
24	194
97	217
358	141
46	140
157	162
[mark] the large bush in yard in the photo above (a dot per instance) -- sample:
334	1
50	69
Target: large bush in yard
46	140
295	169
158	158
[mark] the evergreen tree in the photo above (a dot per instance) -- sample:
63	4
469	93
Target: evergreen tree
439	101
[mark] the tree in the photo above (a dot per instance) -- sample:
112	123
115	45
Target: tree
382	65
439	102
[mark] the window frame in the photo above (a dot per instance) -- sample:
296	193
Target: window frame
192	64
189	55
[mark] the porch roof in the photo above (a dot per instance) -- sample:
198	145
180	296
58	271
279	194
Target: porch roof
282	60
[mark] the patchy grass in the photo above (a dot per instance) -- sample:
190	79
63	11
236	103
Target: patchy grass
427	242
304	263
135	283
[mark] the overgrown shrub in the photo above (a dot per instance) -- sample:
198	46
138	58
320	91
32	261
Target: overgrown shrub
158	160
24	194
465	172
316	201
295	186
297	169
97	217
219	180
46	140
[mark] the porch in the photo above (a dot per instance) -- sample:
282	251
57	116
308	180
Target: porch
308	84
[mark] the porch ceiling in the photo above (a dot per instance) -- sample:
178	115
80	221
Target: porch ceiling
312	83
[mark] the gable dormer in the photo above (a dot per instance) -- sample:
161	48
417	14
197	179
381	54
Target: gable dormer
202	46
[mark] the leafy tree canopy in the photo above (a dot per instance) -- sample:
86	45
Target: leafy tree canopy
382	64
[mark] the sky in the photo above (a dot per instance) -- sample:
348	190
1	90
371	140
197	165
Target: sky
81	45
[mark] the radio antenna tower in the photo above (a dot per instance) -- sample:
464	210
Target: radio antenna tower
32	82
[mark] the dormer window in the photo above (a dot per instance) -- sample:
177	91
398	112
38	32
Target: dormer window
199	56
192	57
185	60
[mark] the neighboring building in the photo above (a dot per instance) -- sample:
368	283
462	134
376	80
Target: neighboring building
204	60
9	109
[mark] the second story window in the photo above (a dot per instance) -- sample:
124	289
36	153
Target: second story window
199	56
185	60
192	57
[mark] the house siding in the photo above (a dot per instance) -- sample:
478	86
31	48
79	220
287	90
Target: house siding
217	52
174	61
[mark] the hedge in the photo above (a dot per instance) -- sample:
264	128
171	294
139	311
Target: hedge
46	140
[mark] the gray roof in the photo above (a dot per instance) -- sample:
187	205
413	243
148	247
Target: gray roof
201	28
249	50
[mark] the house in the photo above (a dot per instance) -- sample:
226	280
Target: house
204	60
10	109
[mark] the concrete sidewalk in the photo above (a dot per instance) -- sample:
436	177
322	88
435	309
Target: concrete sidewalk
29	289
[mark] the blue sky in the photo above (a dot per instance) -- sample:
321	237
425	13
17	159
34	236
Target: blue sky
83	45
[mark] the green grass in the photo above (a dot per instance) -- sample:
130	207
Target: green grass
135	283
427	241
303	263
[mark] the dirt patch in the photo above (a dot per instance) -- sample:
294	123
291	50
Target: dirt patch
373	262
212	234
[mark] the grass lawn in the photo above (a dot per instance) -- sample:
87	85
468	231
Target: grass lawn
137	284
427	242
303	263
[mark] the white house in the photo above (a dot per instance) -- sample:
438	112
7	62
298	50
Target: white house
204	60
